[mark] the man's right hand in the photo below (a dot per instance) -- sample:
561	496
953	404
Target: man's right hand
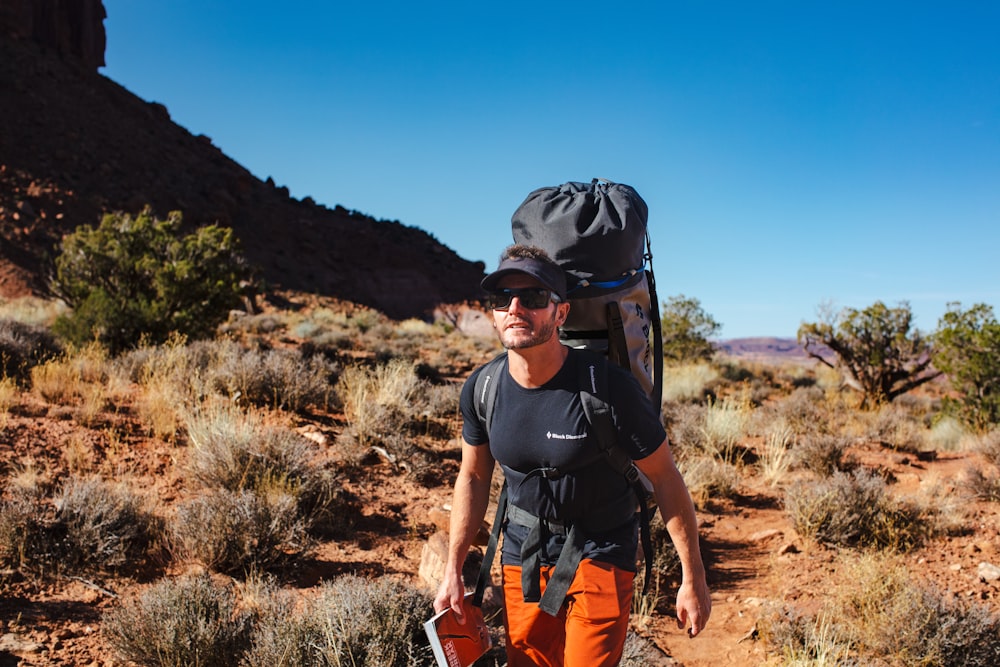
451	593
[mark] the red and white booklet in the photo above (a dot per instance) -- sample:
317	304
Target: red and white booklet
458	644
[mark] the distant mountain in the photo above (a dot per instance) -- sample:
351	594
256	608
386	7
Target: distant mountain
764	349
75	145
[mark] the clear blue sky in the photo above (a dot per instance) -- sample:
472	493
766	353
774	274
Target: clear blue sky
791	153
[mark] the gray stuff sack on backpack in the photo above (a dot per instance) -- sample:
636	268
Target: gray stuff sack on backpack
598	233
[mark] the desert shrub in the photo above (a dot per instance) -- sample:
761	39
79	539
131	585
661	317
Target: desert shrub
280	379
823	454
239	532
708	478
236	451
989	447
641	652
879	614
688	382
803	410
983	484
24	346
855	510
135	277
684	423
353	621
184	622
106	524
29	537
91	525
947	434
893	426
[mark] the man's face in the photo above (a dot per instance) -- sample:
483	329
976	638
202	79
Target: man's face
519	327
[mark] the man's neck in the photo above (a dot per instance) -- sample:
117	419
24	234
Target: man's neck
534	366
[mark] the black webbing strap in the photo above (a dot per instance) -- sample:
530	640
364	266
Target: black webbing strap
657	330
617	345
491	548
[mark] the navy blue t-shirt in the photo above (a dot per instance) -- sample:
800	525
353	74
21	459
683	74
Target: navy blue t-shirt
546	427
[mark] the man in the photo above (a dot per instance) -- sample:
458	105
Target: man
538	427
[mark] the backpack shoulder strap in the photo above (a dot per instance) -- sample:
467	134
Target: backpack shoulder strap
486	389
485	399
594	397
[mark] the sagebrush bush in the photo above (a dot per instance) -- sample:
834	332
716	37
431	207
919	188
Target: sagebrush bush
29	538
281	379
878	613
804	410
107	524
352	621
183	622
823	454
855	510
235	450
989	447
90	526
708	478
237	532
24	346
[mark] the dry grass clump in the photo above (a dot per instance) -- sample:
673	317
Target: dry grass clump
880	615
688	382
855	510
381	403
32	310
352	621
78	377
775	457
180	623
24	346
91	525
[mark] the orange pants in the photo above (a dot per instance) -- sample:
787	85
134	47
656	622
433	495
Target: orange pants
589	630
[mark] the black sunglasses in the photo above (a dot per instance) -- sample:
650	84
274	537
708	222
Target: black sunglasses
533	298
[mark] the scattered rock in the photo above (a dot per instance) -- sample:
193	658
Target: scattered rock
988	572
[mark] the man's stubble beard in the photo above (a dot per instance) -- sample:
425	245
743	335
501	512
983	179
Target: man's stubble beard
543	331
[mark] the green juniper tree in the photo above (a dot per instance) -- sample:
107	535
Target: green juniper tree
139	277
967	350
882	356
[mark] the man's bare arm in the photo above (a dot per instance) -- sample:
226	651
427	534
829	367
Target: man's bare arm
468	507
694	604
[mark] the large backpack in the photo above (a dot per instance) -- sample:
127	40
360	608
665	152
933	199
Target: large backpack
598	233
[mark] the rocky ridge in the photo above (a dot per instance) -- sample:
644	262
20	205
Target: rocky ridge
75	145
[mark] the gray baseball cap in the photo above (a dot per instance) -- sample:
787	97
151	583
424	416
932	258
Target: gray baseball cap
551	277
